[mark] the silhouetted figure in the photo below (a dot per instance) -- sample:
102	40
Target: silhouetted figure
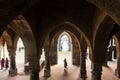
2	63
19	49
6	63
65	63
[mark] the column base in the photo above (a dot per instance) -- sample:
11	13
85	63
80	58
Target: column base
96	77
26	68
96	71
34	74
105	64
13	72
46	73
117	73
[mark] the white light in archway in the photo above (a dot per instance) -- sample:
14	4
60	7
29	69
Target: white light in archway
64	42
20	55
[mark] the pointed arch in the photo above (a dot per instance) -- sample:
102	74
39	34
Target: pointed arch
101	39
7	38
68	26
21	27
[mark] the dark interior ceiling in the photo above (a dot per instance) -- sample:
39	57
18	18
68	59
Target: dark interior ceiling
77	11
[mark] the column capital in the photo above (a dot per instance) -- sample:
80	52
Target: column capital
11	51
34	74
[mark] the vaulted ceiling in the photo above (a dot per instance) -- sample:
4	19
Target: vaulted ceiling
44	15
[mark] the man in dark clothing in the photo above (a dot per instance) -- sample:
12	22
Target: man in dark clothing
65	63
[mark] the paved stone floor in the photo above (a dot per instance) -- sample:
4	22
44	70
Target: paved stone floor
58	73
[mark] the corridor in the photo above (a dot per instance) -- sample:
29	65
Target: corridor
58	73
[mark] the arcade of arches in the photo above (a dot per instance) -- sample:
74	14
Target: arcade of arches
88	24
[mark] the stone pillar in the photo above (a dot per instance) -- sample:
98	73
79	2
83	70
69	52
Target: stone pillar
117	70
69	45
59	45
105	63
96	71
109	55
26	53
13	69
34	68
83	46
83	73
47	62
115	54
106	60
76	54
73	54
111	42
53	55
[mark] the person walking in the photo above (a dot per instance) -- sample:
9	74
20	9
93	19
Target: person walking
2	63
65	63
6	63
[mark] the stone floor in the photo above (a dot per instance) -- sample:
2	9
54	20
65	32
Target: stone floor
58	73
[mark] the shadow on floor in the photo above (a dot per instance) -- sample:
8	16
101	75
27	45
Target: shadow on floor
65	72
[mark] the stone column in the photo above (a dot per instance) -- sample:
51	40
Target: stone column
83	45
59	45
34	68
76	55
73	54
106	60
96	71
83	73
13	69
105	63
26	53
69	45
53	55
117	70
112	42
109	55
115	53
47	62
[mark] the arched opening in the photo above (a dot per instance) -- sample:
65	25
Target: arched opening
64	47
113	54
6	43
111	51
64	43
58	36
20	56
88	53
43	55
42	59
3	52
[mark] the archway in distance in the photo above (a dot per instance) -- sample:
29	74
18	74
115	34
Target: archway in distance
64	47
